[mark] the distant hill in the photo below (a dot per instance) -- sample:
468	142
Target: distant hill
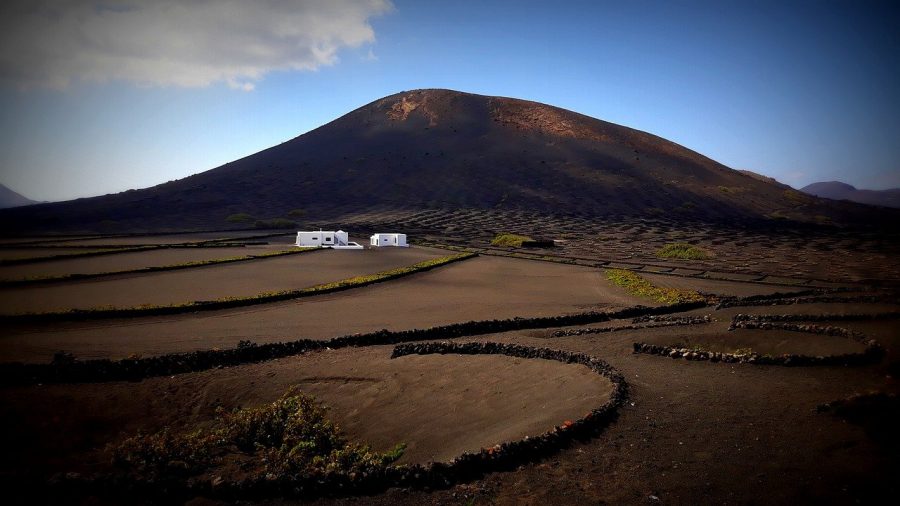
842	191
9	198
447	150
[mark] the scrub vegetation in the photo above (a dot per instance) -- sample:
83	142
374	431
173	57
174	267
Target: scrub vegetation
510	240
240	218
638	286
289	437
683	251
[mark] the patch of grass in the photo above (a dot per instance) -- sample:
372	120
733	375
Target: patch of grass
637	285
289	437
683	251
240	218
510	240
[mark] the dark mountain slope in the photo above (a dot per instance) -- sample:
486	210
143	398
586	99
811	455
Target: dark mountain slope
842	191
444	149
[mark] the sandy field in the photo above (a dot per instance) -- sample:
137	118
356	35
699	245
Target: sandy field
211	282
477	289
181	238
733	288
16	253
126	261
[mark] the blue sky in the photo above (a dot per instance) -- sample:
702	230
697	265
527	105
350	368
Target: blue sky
803	92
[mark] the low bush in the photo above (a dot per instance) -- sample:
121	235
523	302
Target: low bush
638	286
683	251
289	437
510	240
240	218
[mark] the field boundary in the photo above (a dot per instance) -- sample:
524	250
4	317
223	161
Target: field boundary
38	280
232	302
873	352
65	368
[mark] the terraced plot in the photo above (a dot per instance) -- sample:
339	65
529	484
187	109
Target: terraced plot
17	253
212	282
126	261
478	289
439	406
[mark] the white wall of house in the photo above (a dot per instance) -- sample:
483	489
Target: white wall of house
380	240
322	238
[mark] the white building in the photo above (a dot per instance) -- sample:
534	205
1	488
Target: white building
379	240
323	239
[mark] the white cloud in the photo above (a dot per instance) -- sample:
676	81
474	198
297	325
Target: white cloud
190	43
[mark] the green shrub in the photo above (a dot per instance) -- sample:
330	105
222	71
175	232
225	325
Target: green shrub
240	218
683	251
637	285
511	240
277	223
288	437
296	213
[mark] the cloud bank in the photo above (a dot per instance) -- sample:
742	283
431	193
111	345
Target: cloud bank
189	43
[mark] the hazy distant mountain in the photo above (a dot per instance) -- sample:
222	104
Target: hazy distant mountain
842	191
442	149
9	198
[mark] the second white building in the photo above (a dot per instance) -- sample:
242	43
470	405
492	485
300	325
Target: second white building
379	240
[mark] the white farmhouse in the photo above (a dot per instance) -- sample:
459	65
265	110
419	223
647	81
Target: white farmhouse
323	239
379	240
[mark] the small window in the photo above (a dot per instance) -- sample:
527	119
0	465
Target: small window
328	239
315	238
